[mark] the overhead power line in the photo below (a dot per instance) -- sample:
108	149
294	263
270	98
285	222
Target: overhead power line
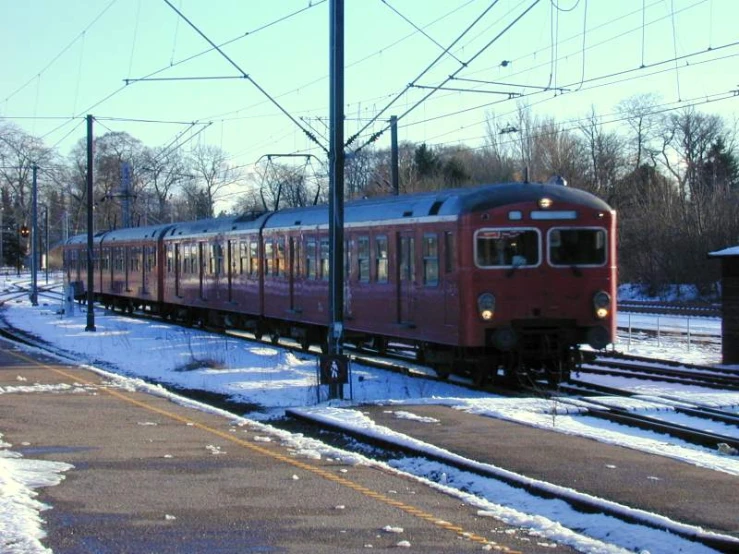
62	51
245	75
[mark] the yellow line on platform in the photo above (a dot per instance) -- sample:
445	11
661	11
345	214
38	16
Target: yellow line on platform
407	508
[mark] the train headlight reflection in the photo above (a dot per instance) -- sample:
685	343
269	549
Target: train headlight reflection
486	306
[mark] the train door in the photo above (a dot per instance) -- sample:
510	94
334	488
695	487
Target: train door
145	268
406	267
294	277
230	268
126	265
177	269
450	280
201	268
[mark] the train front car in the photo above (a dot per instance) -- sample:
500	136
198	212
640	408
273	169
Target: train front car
541	279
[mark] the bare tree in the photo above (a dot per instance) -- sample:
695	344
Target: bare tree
19	152
605	155
162	171
213	173
639	112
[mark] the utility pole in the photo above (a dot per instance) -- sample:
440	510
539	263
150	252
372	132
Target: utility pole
46	242
90	274
336	192
394	154
2	240
34	237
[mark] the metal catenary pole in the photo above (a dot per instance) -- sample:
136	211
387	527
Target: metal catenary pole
336	182
90	274
34	237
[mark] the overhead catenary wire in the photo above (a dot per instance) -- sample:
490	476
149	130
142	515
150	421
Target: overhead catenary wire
426	70
466	64
245	75
62	51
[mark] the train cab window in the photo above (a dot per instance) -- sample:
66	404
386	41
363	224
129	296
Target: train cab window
506	248
363	259
381	269
430	260
324	259
577	246
311	264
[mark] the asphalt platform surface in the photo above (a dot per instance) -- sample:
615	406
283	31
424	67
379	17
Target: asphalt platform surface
153	476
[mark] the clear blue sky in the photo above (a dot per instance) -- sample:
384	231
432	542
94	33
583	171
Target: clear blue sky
68	58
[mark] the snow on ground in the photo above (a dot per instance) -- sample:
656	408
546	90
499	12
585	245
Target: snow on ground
273	380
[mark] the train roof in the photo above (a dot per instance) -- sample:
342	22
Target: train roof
151	232
245	222
441	203
446	202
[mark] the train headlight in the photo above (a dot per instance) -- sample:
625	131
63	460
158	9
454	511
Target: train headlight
486	306
601	303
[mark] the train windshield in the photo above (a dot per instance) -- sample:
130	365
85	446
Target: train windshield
568	247
511	247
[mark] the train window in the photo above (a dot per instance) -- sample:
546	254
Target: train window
347	259
381	270
407	259
185	259
280	257
170	258
243	257
310	259
105	261
216	259
269	262
577	246
450	252
117	259
430	260
363	259
324	259
151	258
253	258
515	215
134	260
506	247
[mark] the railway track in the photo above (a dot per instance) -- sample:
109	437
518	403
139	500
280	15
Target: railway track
684	374
587	392
691	309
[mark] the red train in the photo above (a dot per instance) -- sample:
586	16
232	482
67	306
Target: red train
501	280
